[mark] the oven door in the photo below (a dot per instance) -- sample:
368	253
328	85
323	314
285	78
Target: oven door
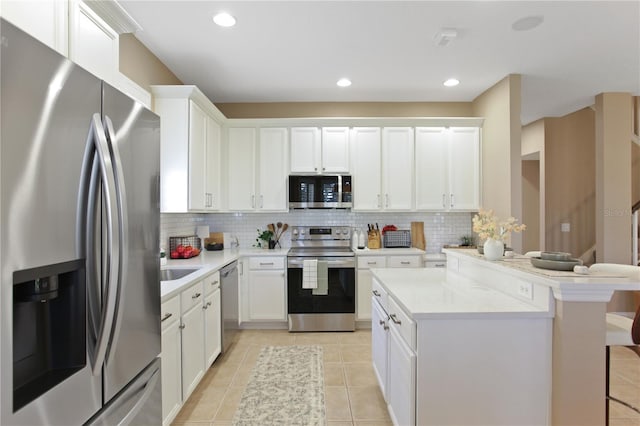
340	297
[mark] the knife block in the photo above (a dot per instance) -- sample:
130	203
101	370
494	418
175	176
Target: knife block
374	239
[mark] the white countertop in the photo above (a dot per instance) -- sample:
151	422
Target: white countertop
437	293
388	251
566	285
206	263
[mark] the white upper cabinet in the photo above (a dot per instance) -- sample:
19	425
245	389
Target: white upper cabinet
447	168
257	169
93	44
241	162
320	151
397	168
190	150
306	149
366	163
335	150
45	20
273	165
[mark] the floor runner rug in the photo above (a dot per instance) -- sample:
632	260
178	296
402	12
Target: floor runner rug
286	387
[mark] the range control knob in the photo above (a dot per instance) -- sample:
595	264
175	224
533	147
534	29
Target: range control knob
295	231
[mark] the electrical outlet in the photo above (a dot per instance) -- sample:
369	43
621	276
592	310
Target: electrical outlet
565	227
525	290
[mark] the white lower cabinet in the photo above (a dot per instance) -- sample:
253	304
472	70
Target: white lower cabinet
379	343
266	289
401	383
171	360
191	341
364	277
393	342
212	319
192	324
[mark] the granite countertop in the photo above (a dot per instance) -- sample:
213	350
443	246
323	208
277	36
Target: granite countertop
206	263
438	293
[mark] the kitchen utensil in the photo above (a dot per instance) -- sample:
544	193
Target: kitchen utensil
555	255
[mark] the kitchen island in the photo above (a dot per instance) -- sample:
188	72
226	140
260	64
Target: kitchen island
491	342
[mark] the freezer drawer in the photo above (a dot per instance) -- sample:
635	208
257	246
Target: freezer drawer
139	403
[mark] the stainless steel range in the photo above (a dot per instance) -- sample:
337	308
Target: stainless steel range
321	272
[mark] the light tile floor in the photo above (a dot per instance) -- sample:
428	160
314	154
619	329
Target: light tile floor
352	396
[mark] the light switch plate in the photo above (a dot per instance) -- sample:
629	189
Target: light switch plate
565	227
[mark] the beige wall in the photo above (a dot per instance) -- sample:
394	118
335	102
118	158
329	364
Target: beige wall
345	109
570	182
501	150
533	149
141	65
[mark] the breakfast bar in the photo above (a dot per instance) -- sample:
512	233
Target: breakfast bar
492	342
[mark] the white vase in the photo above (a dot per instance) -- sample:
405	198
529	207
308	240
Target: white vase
493	249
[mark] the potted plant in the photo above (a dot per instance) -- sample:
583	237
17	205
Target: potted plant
264	237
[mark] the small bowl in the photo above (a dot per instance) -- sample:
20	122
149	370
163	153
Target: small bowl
555	255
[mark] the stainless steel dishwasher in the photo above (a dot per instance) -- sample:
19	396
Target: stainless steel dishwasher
229	305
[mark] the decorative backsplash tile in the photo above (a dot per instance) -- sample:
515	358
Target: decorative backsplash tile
439	228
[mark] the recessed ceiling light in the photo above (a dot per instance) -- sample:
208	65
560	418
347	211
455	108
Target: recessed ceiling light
451	82
527	23
224	19
344	82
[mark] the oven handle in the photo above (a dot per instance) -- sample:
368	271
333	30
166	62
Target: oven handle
333	263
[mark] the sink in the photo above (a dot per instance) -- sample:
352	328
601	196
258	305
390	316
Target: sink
174	274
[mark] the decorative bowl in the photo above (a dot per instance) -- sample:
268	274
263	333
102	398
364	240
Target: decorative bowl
555	255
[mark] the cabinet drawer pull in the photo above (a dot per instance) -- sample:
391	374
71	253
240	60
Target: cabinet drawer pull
376	293
384	325
394	319
266	263
405	262
214	282
372	263
195	296
167	316
208	304
181	326
440	265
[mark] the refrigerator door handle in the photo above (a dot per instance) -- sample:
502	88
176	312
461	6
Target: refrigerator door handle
122	243
97	147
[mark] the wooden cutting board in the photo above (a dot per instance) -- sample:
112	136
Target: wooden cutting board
417	235
215	238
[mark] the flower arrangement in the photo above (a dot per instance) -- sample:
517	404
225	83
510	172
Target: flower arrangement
487	226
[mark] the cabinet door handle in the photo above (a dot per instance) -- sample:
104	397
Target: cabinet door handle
214	282
261	201
405	262
444	204
208	304
384	325
376	293
204	307
195	296
181	326
253	201
394	319
452	201
440	265
167	316
266	263
386	196
379	205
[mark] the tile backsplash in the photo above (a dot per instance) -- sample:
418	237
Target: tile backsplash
439	228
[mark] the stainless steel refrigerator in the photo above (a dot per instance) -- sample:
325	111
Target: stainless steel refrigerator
79	232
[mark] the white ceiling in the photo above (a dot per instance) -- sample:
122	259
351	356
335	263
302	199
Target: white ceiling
297	50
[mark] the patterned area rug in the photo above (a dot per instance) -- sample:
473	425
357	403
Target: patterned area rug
286	388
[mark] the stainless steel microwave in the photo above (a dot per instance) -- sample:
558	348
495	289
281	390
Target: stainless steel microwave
320	192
